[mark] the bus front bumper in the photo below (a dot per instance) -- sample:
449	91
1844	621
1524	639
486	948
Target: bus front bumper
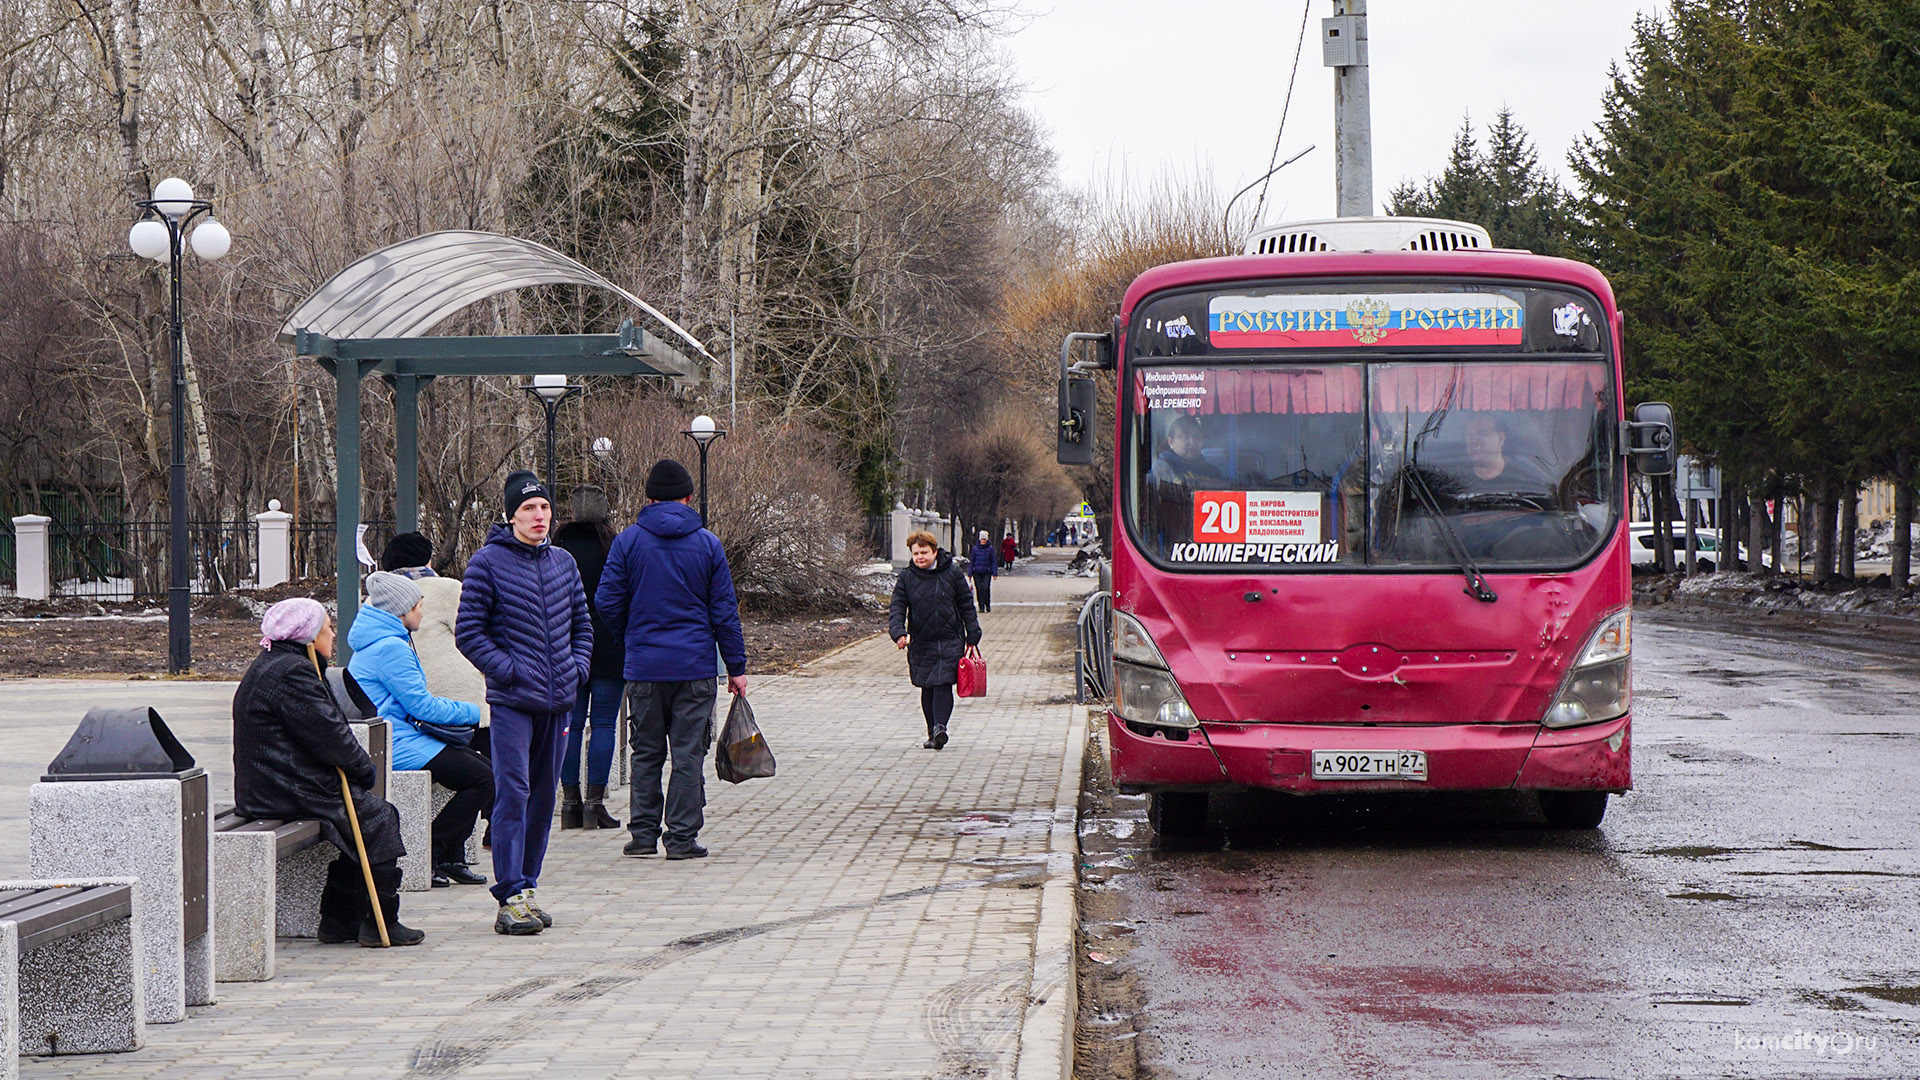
1460	757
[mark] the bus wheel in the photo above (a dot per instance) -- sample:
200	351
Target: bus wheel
1177	813
1573	809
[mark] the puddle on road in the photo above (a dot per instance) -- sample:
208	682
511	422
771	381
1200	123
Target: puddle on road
1695	851
1705	896
996	824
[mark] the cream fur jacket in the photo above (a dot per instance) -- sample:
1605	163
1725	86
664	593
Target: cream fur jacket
448	673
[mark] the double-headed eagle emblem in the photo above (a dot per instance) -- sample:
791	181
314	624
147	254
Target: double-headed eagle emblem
1369	320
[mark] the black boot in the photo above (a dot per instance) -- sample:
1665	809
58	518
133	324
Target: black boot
593	812
570	815
396	933
342	903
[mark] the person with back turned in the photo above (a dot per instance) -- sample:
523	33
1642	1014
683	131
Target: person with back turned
667	588
523	622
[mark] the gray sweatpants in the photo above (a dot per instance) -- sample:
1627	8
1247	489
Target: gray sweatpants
670	719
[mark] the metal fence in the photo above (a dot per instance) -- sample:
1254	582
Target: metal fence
878	536
128	560
1093	649
314	546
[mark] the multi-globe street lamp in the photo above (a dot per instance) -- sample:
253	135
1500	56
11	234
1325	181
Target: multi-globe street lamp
157	236
551	390
703	432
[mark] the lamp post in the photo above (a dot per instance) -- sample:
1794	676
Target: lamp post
157	236
702	431
551	390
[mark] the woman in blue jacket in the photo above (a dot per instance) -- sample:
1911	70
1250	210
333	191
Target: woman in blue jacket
387	668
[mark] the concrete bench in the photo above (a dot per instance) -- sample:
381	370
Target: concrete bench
69	978
268	876
411	793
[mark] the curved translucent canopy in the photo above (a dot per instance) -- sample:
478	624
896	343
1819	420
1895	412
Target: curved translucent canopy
406	289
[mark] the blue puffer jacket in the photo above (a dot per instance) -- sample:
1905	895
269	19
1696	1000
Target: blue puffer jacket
983	559
666	583
523	622
387	668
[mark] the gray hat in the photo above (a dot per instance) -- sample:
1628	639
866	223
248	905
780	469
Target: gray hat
391	593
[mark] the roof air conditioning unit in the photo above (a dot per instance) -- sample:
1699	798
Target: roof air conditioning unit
1368	234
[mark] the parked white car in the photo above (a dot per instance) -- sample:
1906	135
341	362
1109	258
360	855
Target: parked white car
1706	545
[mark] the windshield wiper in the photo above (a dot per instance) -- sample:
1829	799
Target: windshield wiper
1476	583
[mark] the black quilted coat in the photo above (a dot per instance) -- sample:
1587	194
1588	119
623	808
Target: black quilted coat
523	622
288	737
935	606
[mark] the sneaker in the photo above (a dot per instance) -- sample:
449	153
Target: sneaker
538	913
641	849
939	738
516	918
928	745
396	933
457	873
691	851
440	880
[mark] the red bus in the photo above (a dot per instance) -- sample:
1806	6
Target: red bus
1368	521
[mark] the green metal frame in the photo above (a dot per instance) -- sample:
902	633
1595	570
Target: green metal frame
409	362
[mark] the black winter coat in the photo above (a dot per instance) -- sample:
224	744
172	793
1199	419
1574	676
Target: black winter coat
581	539
935	607
288	737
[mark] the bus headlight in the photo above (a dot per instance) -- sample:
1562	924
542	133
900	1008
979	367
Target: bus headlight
1145	695
1600	686
1132	643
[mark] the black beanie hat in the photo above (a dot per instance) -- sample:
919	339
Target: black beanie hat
521	486
406	549
669	480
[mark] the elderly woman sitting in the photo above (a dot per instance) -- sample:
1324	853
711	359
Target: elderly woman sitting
289	738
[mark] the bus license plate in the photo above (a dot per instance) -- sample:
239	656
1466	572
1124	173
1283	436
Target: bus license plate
1370	765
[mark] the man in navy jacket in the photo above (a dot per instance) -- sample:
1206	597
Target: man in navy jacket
523	622
667	588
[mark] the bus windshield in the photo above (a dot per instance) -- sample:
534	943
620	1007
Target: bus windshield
1394	463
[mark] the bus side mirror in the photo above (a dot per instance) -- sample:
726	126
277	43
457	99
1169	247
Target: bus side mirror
1650	442
1078	411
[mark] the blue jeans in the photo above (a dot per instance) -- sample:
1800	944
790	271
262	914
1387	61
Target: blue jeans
599	702
526	772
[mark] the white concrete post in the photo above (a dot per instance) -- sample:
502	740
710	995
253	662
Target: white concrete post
899	524
32	561
274	557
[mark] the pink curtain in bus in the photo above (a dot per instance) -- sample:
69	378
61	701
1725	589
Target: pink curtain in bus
1424	388
1294	390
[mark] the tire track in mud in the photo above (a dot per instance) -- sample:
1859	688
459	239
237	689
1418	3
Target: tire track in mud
484	1028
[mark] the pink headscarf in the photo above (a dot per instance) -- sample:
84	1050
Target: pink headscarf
298	619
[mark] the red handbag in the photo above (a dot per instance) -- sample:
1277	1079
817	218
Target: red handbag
972	678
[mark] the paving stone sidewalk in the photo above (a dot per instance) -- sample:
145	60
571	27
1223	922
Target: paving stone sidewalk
871	912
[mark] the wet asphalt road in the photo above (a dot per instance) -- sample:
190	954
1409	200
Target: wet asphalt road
1752	908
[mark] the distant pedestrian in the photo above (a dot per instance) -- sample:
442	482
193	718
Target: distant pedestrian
289	738
524	623
1009	551
587	538
932	617
387	668
669	592
984	565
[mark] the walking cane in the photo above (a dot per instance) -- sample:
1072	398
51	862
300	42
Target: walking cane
359	841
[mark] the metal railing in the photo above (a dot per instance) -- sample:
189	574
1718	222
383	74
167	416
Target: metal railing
1093	650
127	560
314	546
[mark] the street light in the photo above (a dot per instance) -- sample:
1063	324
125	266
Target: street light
702	431
158	238
551	390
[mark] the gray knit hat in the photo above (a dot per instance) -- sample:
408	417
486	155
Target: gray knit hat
391	593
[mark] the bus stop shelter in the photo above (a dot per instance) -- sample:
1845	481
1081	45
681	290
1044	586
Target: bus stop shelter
374	318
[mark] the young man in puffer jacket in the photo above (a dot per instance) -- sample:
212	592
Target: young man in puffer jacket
524	623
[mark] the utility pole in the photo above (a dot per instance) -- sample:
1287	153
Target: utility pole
1343	47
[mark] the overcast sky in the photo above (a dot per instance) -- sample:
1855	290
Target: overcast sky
1140	88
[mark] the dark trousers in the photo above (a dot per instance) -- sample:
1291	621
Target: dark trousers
669	719
343	900
470	777
599	705
983	591
937	703
526	772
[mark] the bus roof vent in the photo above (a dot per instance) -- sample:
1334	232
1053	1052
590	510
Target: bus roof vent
1369	234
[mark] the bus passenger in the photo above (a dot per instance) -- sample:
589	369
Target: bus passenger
1181	462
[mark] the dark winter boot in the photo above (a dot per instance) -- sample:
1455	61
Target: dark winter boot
593	813
396	933
570	815
343	903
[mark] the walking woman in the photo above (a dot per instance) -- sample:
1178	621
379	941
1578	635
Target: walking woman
932	617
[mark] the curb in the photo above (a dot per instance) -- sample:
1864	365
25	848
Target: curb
1053	1002
1865	619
